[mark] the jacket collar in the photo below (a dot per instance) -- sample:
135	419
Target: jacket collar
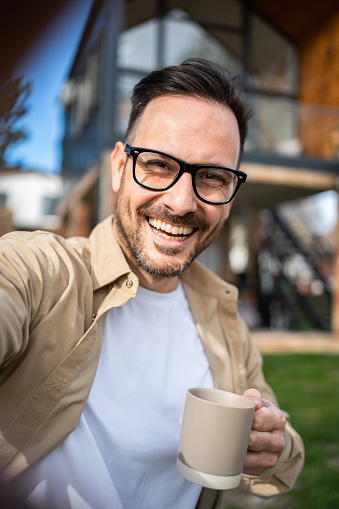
107	259
206	282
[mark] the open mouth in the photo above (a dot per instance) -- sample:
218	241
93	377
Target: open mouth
168	231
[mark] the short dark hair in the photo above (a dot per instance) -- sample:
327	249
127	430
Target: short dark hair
194	77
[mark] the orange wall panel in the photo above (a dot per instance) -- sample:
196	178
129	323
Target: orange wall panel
319	84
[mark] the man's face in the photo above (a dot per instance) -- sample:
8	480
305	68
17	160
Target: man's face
162	232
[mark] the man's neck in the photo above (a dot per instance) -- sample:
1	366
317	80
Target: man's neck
161	285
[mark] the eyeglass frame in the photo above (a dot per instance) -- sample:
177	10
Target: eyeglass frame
184	167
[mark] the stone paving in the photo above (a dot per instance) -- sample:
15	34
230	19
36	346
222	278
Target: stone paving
274	341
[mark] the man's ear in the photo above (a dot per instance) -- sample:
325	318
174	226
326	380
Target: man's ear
118	159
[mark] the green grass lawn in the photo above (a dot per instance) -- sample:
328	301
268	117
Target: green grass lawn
307	387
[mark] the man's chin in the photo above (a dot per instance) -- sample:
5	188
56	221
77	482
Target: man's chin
164	272
169	251
170	267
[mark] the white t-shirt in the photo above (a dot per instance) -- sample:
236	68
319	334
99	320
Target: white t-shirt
122	455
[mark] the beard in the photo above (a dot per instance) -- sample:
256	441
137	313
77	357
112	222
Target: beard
169	266
129	230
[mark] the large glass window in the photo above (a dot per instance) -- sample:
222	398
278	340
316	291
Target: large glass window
272	63
166	32
186	38
137	46
82	93
154	38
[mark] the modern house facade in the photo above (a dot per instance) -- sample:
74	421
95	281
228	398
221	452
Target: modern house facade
287	58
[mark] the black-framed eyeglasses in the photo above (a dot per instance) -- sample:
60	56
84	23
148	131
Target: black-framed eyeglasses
158	171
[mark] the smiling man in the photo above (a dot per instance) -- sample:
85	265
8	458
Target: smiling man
101	337
147	221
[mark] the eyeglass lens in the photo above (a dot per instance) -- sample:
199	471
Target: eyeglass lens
158	171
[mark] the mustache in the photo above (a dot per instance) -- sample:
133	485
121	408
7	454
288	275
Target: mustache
189	219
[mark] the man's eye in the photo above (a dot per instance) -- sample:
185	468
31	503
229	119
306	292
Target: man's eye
157	165
212	176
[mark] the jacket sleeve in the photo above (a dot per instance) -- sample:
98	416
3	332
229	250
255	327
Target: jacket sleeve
282	476
23	268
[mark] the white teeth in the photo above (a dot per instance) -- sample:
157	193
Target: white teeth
168	228
165	236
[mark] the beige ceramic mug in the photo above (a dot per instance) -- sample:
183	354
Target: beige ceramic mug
214	437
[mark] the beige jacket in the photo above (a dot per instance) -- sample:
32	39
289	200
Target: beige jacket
54	297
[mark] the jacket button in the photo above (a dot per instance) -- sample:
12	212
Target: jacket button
94	316
129	283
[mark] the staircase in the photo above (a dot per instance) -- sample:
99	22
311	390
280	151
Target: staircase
294	280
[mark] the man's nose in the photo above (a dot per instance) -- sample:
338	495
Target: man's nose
180	198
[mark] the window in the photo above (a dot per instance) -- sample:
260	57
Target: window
137	46
186	38
154	38
3	199
272	59
49	205
83	93
162	33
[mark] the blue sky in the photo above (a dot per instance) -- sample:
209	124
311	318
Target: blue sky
46	65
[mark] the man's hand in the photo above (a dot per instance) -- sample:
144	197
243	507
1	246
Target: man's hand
267	435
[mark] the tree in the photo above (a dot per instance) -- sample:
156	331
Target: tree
13	96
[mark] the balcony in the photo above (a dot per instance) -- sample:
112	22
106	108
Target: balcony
292	151
293	130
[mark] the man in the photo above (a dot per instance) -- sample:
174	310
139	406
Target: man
102	337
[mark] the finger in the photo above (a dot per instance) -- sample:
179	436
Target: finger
255	396
269	418
268	404
256	463
273	442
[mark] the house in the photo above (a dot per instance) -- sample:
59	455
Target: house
292	150
28	200
286	54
